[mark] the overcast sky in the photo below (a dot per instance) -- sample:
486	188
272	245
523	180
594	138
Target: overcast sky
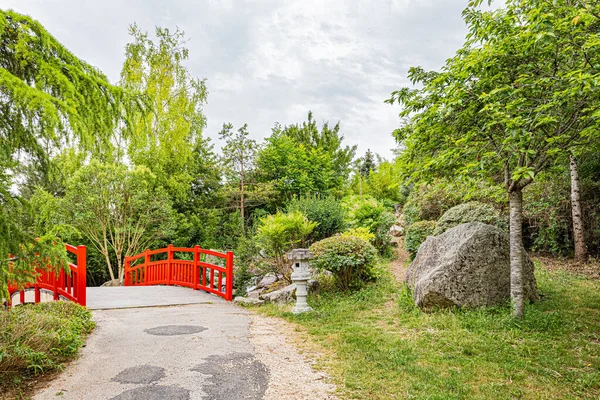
273	60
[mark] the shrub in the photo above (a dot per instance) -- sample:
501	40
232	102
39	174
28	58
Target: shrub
39	338
349	259
416	234
361	233
327	212
371	214
470	212
277	234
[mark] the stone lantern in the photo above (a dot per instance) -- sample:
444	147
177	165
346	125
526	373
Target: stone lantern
300	276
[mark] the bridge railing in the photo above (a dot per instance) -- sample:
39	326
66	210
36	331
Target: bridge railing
182	266
69	285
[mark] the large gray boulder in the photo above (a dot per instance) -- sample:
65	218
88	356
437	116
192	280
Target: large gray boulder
467	266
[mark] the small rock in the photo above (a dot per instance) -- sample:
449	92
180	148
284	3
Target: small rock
267	280
114	282
247	301
281	296
396	230
251	288
255	294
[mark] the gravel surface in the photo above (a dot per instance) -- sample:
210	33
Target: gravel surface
291	374
198	351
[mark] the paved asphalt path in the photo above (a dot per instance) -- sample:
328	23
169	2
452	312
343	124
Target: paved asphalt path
145	347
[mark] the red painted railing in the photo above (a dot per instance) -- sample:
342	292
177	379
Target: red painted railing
68	285
195	272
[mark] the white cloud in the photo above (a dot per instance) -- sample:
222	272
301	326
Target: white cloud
273	60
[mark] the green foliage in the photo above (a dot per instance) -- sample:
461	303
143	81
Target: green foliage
416	234
164	138
327	212
385	183
49	98
370	213
470	212
431	201
49	94
547	215
129	210
277	234
367	164
498	108
302	161
361	233
295	169
39	338
350	259
327	140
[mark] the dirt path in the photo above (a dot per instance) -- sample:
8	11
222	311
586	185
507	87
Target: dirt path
292	376
199	351
400	264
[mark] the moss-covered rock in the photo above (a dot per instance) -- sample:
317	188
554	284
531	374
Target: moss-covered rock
470	212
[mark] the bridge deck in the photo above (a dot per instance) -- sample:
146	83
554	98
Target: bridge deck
102	298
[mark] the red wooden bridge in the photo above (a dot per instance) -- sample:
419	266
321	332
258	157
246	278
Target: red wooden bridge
67	285
183	266
196	268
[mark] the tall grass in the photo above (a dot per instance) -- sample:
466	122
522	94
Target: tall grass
35	339
386	348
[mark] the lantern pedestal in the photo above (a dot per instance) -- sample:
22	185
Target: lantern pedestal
300	276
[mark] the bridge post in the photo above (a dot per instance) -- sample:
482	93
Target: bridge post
127	278
81	275
146	263
55	278
37	296
196	266
169	261
229	283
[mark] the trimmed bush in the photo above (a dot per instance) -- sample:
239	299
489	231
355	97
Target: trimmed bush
327	212
349	259
416	234
361	233
470	212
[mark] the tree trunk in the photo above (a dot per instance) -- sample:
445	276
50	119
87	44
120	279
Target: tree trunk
516	253
581	253
242	200
360	184
121	269
109	265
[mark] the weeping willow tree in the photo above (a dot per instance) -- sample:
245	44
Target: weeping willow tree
49	98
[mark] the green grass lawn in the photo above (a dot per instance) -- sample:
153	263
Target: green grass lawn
379	345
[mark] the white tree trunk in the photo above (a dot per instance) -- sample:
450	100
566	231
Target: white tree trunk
516	253
581	253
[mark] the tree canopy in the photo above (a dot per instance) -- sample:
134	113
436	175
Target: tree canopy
49	98
521	92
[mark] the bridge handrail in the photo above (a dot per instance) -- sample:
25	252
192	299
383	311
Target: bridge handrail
71	286
196	273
